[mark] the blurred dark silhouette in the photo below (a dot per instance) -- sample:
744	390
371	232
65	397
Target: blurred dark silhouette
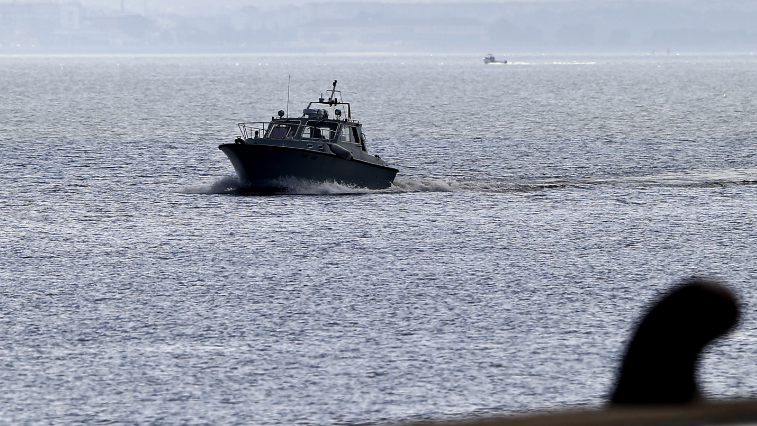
657	377
660	363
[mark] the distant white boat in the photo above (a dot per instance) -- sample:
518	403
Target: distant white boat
489	59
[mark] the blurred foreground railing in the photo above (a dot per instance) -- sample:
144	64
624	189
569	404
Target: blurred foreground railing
740	412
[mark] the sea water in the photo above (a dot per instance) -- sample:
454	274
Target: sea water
540	207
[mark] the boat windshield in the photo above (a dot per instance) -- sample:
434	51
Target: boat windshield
282	130
316	130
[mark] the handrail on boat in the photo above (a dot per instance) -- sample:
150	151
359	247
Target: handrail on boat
252	129
295	131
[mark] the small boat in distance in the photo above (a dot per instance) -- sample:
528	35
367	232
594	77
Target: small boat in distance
314	147
489	59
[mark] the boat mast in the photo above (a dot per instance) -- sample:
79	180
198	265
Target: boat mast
289	82
333	90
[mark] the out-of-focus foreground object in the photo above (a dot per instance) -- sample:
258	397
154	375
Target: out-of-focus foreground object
657	378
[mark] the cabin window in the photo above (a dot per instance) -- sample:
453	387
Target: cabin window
281	131
313	131
346	135
321	133
358	138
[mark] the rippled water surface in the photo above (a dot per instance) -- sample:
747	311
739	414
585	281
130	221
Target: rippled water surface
539	207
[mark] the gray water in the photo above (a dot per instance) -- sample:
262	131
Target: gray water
540	207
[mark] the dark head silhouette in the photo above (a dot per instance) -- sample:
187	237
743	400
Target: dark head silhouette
659	366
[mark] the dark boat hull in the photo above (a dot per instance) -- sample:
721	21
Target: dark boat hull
264	167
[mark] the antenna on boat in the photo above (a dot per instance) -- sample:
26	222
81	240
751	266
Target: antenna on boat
333	90
289	82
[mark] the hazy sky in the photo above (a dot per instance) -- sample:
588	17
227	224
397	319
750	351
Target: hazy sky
221	6
380	25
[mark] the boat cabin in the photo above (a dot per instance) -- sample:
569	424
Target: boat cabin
315	125
331	131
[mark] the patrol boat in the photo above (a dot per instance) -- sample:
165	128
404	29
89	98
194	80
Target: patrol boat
316	147
489	59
